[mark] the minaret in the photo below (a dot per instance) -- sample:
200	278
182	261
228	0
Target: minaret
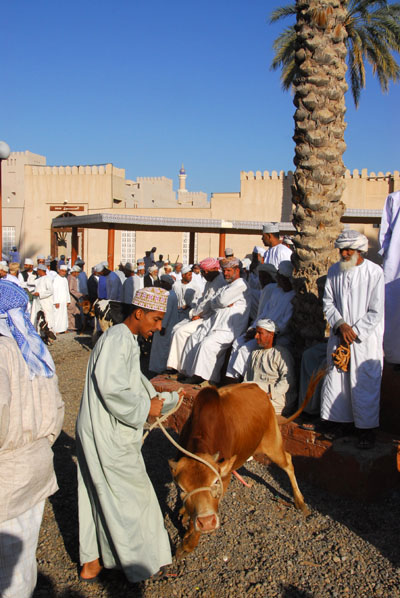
182	179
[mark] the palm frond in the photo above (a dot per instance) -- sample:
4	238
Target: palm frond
282	12
373	35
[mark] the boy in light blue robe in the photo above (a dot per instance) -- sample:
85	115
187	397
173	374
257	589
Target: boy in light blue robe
120	521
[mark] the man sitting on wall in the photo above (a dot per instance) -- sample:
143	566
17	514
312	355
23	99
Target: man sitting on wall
204	351
272	368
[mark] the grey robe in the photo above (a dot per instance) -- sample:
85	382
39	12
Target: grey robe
119	516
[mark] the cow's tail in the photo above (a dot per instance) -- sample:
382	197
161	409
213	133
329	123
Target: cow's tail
312	385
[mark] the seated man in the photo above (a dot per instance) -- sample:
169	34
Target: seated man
187	293
202	311
272	368
204	351
277	306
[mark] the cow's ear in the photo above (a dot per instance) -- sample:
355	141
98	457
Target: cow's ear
173	465
226	466
216	457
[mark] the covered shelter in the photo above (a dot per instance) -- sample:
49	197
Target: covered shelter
130	222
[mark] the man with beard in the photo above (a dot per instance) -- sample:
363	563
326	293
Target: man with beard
204	351
354	308
211	273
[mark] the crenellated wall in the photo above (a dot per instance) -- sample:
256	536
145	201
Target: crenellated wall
34	193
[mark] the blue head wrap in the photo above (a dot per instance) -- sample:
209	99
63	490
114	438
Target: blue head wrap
13	303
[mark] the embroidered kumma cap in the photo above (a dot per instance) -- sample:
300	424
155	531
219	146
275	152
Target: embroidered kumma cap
152	298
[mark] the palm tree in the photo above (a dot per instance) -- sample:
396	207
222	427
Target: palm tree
373	32
312	54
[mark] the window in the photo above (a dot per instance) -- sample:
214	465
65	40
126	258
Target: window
8	239
128	246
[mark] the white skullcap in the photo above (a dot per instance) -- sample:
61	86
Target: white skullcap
40	257
140	261
74	269
153	269
228	252
41	267
186	269
352	239
99	267
61	267
258	249
28	261
270	227
129	266
246	263
286	268
267	325
270	268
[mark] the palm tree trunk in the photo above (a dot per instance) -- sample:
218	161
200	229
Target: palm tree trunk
319	136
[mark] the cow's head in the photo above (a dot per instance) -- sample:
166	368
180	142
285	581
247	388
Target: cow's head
201	489
86	306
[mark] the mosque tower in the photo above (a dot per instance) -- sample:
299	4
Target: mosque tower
182	179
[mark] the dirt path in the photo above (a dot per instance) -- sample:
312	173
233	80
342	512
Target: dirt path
264	547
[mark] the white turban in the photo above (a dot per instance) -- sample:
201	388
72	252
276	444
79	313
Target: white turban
28	261
186	269
99	267
129	266
258	249
352	239
270	227
4	267
286	268
153	269
267	325
62	267
246	263
75	269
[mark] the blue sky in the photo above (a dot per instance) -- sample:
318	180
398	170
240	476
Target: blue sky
150	84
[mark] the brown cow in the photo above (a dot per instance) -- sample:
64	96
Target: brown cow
225	428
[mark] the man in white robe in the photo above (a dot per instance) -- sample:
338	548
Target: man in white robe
186	292
120	522
276	252
32	412
198	278
162	338
354	308
204	351
61	299
43	297
272	368
211	273
276	306
389	239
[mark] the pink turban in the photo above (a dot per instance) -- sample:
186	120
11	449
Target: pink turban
209	263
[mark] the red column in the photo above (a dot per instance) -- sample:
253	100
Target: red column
221	244
110	248
74	245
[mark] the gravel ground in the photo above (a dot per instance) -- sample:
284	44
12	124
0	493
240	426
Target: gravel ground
264	548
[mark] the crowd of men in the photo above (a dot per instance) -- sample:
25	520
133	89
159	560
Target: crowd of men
224	320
